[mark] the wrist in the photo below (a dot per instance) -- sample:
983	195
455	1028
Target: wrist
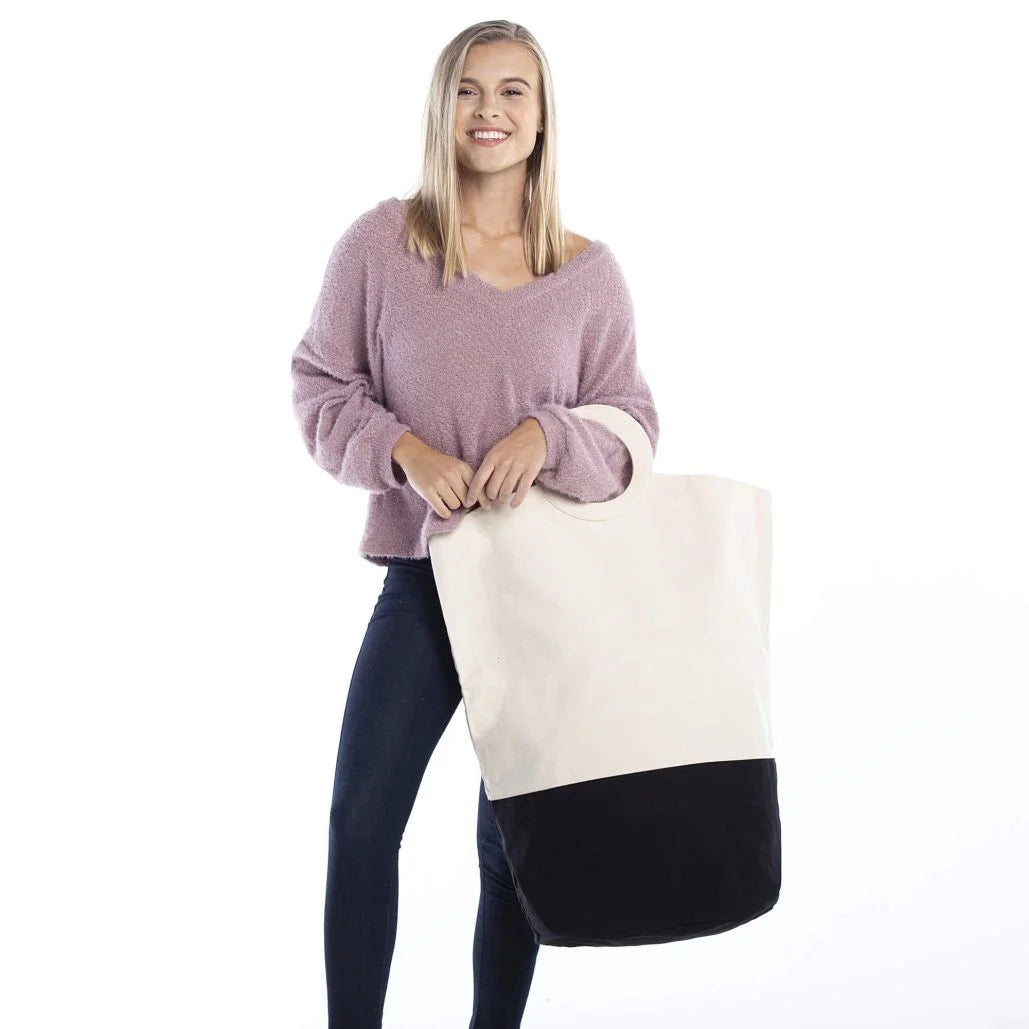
404	447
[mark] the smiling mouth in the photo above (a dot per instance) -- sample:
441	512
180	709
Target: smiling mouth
488	140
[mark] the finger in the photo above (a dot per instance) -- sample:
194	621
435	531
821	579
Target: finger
449	496
498	486
475	486
485	497
523	489
509	485
459	484
467	473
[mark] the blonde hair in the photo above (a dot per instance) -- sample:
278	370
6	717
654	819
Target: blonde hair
433	211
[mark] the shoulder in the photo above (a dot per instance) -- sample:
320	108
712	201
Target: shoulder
372	238
602	276
594	253
575	244
377	225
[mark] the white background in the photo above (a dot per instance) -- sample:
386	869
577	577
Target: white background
821	210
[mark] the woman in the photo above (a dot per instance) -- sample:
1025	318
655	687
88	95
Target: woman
452	334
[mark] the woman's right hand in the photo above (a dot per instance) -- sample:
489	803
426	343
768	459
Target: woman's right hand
441	480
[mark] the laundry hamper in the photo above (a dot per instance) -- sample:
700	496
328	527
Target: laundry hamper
614	665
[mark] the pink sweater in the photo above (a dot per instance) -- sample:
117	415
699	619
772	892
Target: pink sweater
389	349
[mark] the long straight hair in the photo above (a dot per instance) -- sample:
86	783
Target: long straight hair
434	211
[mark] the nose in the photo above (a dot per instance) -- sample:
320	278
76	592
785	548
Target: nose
485	109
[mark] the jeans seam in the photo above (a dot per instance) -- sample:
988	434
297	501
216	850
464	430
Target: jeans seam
484	903
383	975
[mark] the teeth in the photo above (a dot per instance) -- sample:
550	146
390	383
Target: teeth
490	135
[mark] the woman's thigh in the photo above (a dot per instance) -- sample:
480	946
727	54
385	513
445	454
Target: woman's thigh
403	692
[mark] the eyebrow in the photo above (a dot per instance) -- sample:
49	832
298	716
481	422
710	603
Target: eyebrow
510	78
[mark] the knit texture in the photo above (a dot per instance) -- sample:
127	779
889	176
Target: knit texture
390	349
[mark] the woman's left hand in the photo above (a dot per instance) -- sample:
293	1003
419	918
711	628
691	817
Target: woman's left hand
510	466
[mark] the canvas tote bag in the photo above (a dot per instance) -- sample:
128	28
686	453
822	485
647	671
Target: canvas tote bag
614	665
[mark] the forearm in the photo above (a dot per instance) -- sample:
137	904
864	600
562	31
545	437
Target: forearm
403	450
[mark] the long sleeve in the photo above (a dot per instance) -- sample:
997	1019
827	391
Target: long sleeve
337	382
586	460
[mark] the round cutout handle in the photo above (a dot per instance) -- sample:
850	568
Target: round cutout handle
637	442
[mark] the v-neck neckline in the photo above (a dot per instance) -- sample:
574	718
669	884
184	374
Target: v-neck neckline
580	261
541	282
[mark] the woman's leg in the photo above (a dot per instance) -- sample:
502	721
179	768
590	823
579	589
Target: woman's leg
504	949
403	692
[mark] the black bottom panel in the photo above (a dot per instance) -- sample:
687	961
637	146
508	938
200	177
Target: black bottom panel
654	857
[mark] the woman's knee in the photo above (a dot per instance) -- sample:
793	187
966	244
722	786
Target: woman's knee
361	818
494	870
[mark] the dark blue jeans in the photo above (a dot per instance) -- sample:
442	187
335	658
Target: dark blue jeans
403	692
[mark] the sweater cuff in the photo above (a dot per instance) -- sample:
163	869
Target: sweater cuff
392	474
555	434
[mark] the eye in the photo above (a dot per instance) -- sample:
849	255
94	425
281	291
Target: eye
466	89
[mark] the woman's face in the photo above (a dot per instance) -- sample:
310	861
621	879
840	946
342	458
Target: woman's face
499	89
